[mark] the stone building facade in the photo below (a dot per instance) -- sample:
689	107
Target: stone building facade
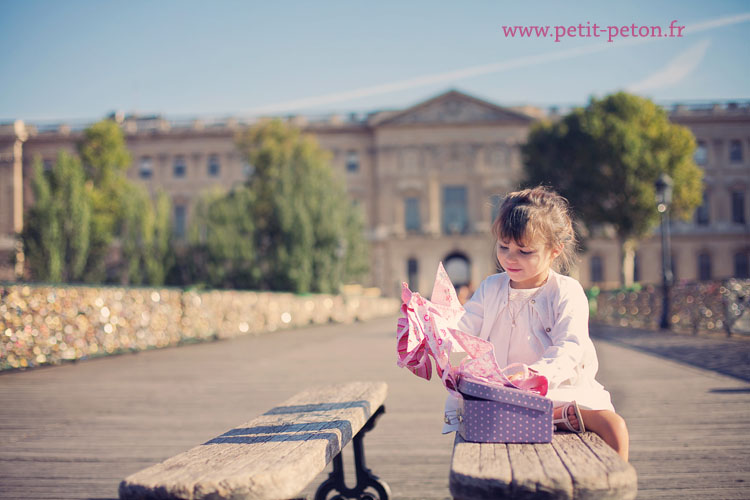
428	179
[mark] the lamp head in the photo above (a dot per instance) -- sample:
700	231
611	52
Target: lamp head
663	186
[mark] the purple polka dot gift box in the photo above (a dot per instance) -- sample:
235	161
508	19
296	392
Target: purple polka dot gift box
503	415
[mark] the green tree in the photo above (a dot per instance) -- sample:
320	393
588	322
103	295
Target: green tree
605	159
105	159
104	154
56	235
305	236
160	258
356	250
123	212
221	237
144	236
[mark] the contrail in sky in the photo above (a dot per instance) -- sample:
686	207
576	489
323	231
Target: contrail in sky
422	81
674	72
473	71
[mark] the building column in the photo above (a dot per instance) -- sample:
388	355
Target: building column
19	131
433	206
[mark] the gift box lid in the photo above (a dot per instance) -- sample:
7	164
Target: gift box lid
509	395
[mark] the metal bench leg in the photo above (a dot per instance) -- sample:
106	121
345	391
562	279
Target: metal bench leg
365	478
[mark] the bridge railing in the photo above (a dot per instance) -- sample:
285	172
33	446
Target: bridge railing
41	324
715	306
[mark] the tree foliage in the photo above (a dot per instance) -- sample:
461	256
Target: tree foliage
145	236
124	213
85	207
57	232
291	227
105	159
356	255
605	159
221	237
104	154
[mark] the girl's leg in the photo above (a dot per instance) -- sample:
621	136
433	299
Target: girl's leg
605	423
610	427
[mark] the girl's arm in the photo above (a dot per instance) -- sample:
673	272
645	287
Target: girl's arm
569	334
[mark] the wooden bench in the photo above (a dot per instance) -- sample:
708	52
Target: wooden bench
276	455
573	466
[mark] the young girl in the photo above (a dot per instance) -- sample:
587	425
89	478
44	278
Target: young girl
533	315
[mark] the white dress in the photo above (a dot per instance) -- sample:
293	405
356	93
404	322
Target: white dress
550	336
518	344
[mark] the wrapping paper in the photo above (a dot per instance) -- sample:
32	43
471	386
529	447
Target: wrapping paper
428	331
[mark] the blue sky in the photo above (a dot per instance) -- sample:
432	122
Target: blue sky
79	60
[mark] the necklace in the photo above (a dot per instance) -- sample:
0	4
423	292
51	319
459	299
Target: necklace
530	298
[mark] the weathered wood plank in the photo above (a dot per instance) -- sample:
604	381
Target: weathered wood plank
623	481
532	480
590	475
473	472
493	461
559	481
272	456
571	467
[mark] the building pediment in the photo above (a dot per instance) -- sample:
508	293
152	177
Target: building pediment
453	108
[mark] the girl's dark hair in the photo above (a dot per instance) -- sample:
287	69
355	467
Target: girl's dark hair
527	215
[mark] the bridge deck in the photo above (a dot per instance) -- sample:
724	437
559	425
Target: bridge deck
75	431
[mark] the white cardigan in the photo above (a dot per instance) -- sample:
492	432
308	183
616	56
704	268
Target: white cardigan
559	320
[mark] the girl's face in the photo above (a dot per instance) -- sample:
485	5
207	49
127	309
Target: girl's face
527	266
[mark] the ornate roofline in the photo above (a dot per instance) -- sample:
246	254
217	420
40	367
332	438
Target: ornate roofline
376	121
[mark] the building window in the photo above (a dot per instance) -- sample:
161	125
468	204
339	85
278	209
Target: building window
458	268
741	265
704	267
352	161
146	167
455	216
701	153
412	274
178	167
735	151
738	207
180	213
214	166
495	200
47	164
597	269
411	212
702	213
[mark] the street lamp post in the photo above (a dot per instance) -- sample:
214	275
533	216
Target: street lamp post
663	187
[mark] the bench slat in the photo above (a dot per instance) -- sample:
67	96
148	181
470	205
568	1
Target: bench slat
586	470
557	477
273	456
495	461
531	473
621	475
571	467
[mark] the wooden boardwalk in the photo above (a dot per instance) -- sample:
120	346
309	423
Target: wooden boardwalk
75	431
